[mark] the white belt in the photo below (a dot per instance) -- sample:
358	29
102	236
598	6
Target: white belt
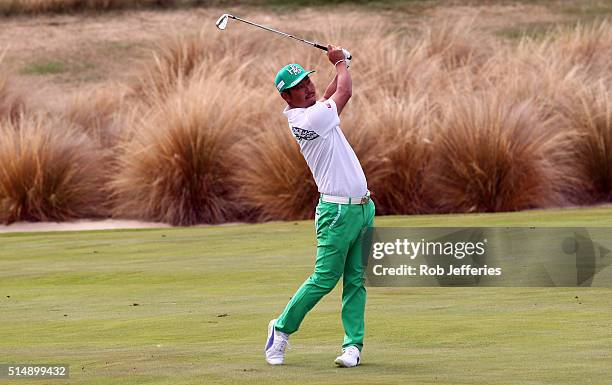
346	200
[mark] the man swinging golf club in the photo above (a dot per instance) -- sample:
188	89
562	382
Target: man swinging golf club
344	210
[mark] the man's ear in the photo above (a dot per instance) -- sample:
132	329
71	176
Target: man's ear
286	96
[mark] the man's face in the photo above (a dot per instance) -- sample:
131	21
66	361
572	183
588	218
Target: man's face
301	95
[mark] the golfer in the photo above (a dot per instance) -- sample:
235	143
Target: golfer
344	210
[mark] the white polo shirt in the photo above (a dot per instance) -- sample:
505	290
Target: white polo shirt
332	161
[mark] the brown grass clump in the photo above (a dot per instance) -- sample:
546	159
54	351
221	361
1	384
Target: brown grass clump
381	122
392	138
172	63
587	45
587	110
274	178
10	7
177	167
178	58
12	103
456	42
48	172
97	112
396	65
445	119
494	154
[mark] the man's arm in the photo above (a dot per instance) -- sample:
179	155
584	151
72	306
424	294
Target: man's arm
344	84
331	88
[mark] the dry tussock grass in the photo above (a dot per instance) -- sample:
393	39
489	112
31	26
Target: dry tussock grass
177	58
10	7
274	180
392	138
587	111
586	45
446	119
12	104
12	100
48	172
98	113
447	122
494	154
177	167
456	42
387	128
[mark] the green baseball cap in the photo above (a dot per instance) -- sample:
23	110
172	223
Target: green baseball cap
289	76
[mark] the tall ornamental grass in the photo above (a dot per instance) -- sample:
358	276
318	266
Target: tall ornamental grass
177	167
49	171
444	118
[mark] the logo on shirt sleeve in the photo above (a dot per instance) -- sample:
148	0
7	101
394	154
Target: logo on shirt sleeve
302	134
328	105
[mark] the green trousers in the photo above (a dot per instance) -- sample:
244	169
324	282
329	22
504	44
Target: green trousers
340	230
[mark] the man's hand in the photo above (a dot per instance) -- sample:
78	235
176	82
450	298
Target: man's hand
334	54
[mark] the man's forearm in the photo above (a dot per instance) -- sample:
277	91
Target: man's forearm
331	88
344	84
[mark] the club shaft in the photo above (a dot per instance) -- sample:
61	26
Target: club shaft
317	45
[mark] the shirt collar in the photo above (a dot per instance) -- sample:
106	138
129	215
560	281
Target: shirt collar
290	112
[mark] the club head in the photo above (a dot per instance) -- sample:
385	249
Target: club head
222	22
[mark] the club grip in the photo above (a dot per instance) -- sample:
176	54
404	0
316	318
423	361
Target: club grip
324	48
319	46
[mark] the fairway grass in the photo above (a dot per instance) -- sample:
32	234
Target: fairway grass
191	306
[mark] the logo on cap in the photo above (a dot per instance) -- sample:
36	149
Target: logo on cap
280	84
294	70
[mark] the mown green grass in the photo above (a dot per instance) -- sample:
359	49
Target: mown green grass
206	294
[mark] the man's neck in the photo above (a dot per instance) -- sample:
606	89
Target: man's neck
292	106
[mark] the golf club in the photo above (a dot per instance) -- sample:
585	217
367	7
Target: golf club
222	25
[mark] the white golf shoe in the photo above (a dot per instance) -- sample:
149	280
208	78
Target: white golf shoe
276	344
350	357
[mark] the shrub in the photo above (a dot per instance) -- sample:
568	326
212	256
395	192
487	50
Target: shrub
48	172
176	59
177	167
97	112
392	138
496	154
274	178
587	110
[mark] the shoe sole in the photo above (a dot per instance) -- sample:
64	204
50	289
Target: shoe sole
343	364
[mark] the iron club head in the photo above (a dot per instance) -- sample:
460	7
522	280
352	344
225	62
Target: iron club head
222	22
